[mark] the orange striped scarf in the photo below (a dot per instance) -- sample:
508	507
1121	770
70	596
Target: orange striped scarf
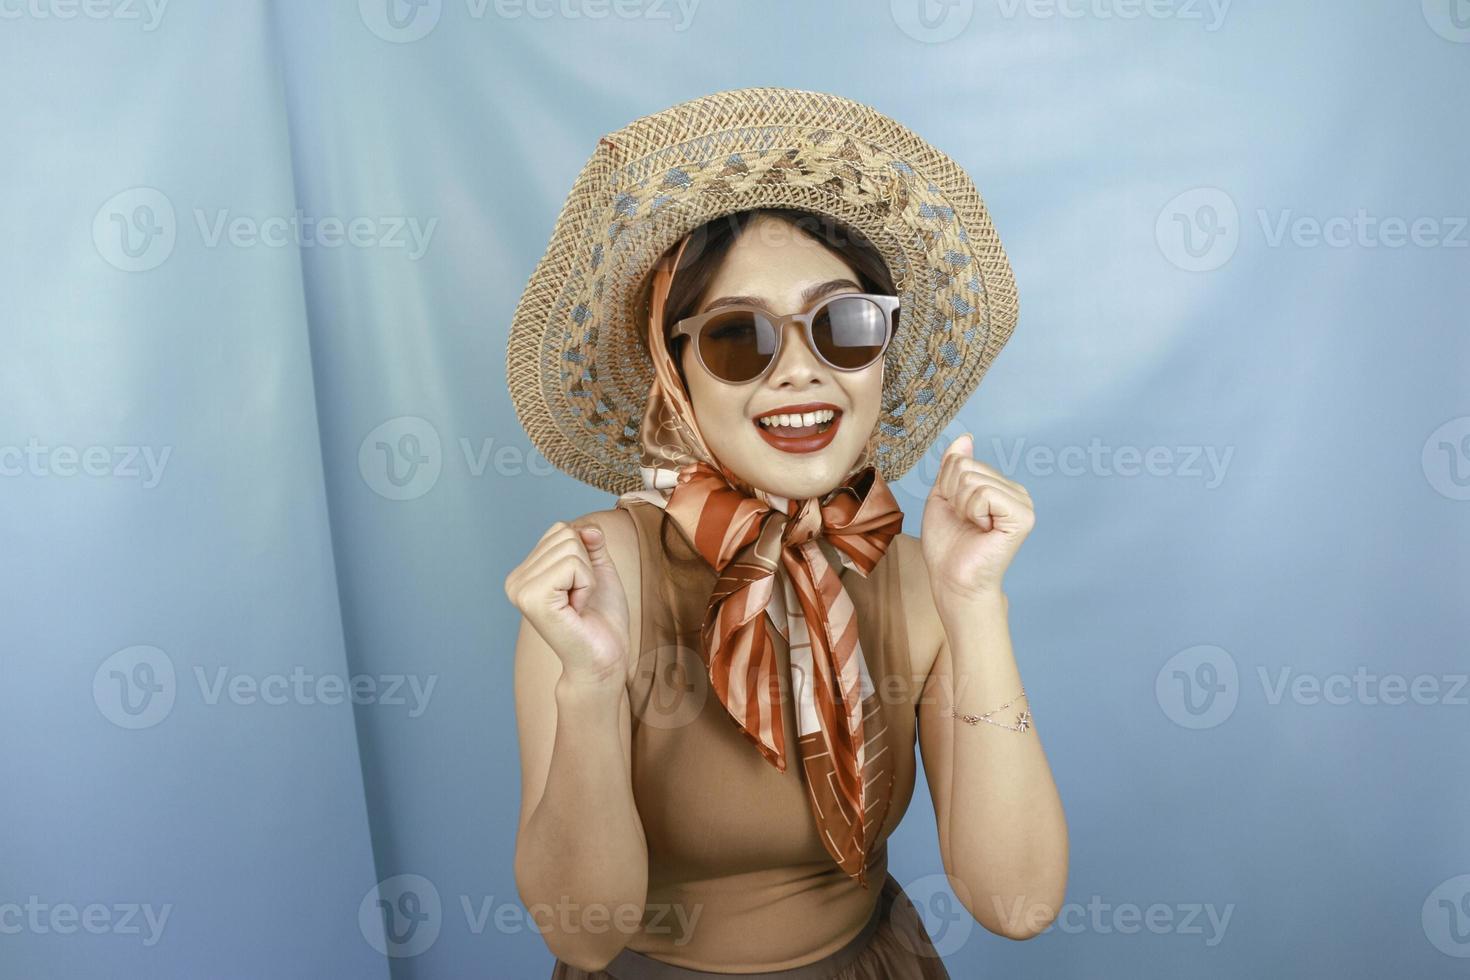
755	539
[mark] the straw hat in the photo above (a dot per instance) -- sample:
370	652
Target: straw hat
579	376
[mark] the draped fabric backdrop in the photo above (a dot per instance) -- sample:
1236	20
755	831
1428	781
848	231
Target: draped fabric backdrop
260	482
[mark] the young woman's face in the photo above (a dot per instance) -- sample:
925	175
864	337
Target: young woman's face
778	266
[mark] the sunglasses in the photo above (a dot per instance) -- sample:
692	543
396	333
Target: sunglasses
738	344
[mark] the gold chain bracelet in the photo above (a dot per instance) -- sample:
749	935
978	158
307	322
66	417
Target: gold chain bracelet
1023	720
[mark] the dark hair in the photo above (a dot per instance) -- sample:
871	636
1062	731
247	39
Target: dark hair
711	242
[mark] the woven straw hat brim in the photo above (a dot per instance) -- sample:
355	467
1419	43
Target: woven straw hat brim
579	376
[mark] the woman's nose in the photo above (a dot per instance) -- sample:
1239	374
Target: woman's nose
797	363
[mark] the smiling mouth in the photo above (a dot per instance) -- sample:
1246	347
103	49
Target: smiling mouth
793	433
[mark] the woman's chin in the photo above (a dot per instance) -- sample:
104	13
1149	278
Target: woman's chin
798	479
793	475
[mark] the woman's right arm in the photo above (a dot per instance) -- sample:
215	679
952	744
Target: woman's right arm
581	862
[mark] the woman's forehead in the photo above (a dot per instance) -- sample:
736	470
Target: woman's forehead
778	267
799	297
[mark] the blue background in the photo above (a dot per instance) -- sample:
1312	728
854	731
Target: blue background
346	486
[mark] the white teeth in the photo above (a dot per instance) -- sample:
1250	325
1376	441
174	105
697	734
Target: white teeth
804	419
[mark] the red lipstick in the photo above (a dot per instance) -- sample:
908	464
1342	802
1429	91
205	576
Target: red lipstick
804	438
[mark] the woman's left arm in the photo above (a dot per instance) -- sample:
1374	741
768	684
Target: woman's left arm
1002	831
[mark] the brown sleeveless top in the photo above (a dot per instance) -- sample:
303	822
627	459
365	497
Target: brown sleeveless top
738	877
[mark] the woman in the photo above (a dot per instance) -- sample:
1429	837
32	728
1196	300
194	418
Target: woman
749	619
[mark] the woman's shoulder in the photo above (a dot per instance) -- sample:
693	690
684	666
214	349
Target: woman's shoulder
925	630
621	535
906	551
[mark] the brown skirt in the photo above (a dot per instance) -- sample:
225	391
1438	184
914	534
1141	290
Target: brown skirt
893	945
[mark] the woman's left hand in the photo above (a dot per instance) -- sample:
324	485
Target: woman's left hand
974	521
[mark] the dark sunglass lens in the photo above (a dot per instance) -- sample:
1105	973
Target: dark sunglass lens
737	345
850	332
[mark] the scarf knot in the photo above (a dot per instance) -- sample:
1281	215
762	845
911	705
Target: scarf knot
804	521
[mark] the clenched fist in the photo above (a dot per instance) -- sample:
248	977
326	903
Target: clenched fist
570	592
974	521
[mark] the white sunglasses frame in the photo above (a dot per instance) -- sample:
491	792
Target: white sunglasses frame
691	325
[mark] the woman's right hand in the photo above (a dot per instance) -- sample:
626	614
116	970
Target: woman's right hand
570	592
